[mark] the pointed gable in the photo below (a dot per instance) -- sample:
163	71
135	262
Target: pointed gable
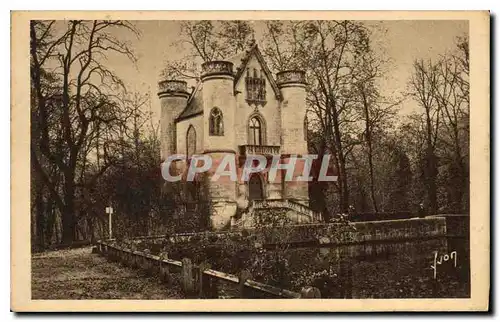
194	106
244	58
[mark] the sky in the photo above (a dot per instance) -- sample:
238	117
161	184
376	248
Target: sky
401	41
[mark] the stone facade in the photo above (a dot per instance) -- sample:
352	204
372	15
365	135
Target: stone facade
238	111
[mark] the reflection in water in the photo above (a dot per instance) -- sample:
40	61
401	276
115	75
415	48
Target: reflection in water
384	270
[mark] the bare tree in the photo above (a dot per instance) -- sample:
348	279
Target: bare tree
72	54
327	50
452	96
207	40
441	88
423	86
375	111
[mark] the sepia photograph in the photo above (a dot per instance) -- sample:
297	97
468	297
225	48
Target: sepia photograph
262	157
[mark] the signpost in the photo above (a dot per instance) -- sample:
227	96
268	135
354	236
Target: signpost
109	210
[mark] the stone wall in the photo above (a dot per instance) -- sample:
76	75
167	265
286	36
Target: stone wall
361	232
327	234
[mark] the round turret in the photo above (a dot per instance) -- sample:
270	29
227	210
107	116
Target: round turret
292	85
218	95
173	96
219	108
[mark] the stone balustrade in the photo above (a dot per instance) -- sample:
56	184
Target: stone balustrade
260	149
290	77
285	203
218	67
172	86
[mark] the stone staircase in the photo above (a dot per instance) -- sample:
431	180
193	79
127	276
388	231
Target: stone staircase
295	211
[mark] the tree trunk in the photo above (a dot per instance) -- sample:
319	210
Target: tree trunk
430	178
90	227
372	184
369	146
50	215
68	213
372	178
344	197
40	219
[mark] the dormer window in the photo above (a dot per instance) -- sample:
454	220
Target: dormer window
255	87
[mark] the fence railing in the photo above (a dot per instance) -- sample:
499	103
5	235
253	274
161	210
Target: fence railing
198	280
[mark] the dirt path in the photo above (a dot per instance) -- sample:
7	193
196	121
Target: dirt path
79	274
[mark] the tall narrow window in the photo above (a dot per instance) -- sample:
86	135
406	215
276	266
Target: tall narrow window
255	131
216	123
190	141
305	128
255	87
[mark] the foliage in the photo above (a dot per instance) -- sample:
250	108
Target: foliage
441	88
207	40
265	250
74	104
345	109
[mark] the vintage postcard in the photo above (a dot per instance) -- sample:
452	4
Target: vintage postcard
250	161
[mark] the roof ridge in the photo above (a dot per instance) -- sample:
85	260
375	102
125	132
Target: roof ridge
186	111
193	93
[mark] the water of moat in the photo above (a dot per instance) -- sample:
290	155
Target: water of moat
380	270
393	270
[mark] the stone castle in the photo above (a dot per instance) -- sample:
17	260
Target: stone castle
239	108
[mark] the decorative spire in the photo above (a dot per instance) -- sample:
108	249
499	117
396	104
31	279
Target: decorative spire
252	40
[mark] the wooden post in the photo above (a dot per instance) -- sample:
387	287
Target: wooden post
123	259
243	277
145	261
164	269
204	282
310	292
130	259
137	258
151	266
187	276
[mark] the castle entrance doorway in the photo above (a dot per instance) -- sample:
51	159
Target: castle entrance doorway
255	190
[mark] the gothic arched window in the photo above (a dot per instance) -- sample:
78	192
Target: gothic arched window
216	122
255	131
255	87
190	141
